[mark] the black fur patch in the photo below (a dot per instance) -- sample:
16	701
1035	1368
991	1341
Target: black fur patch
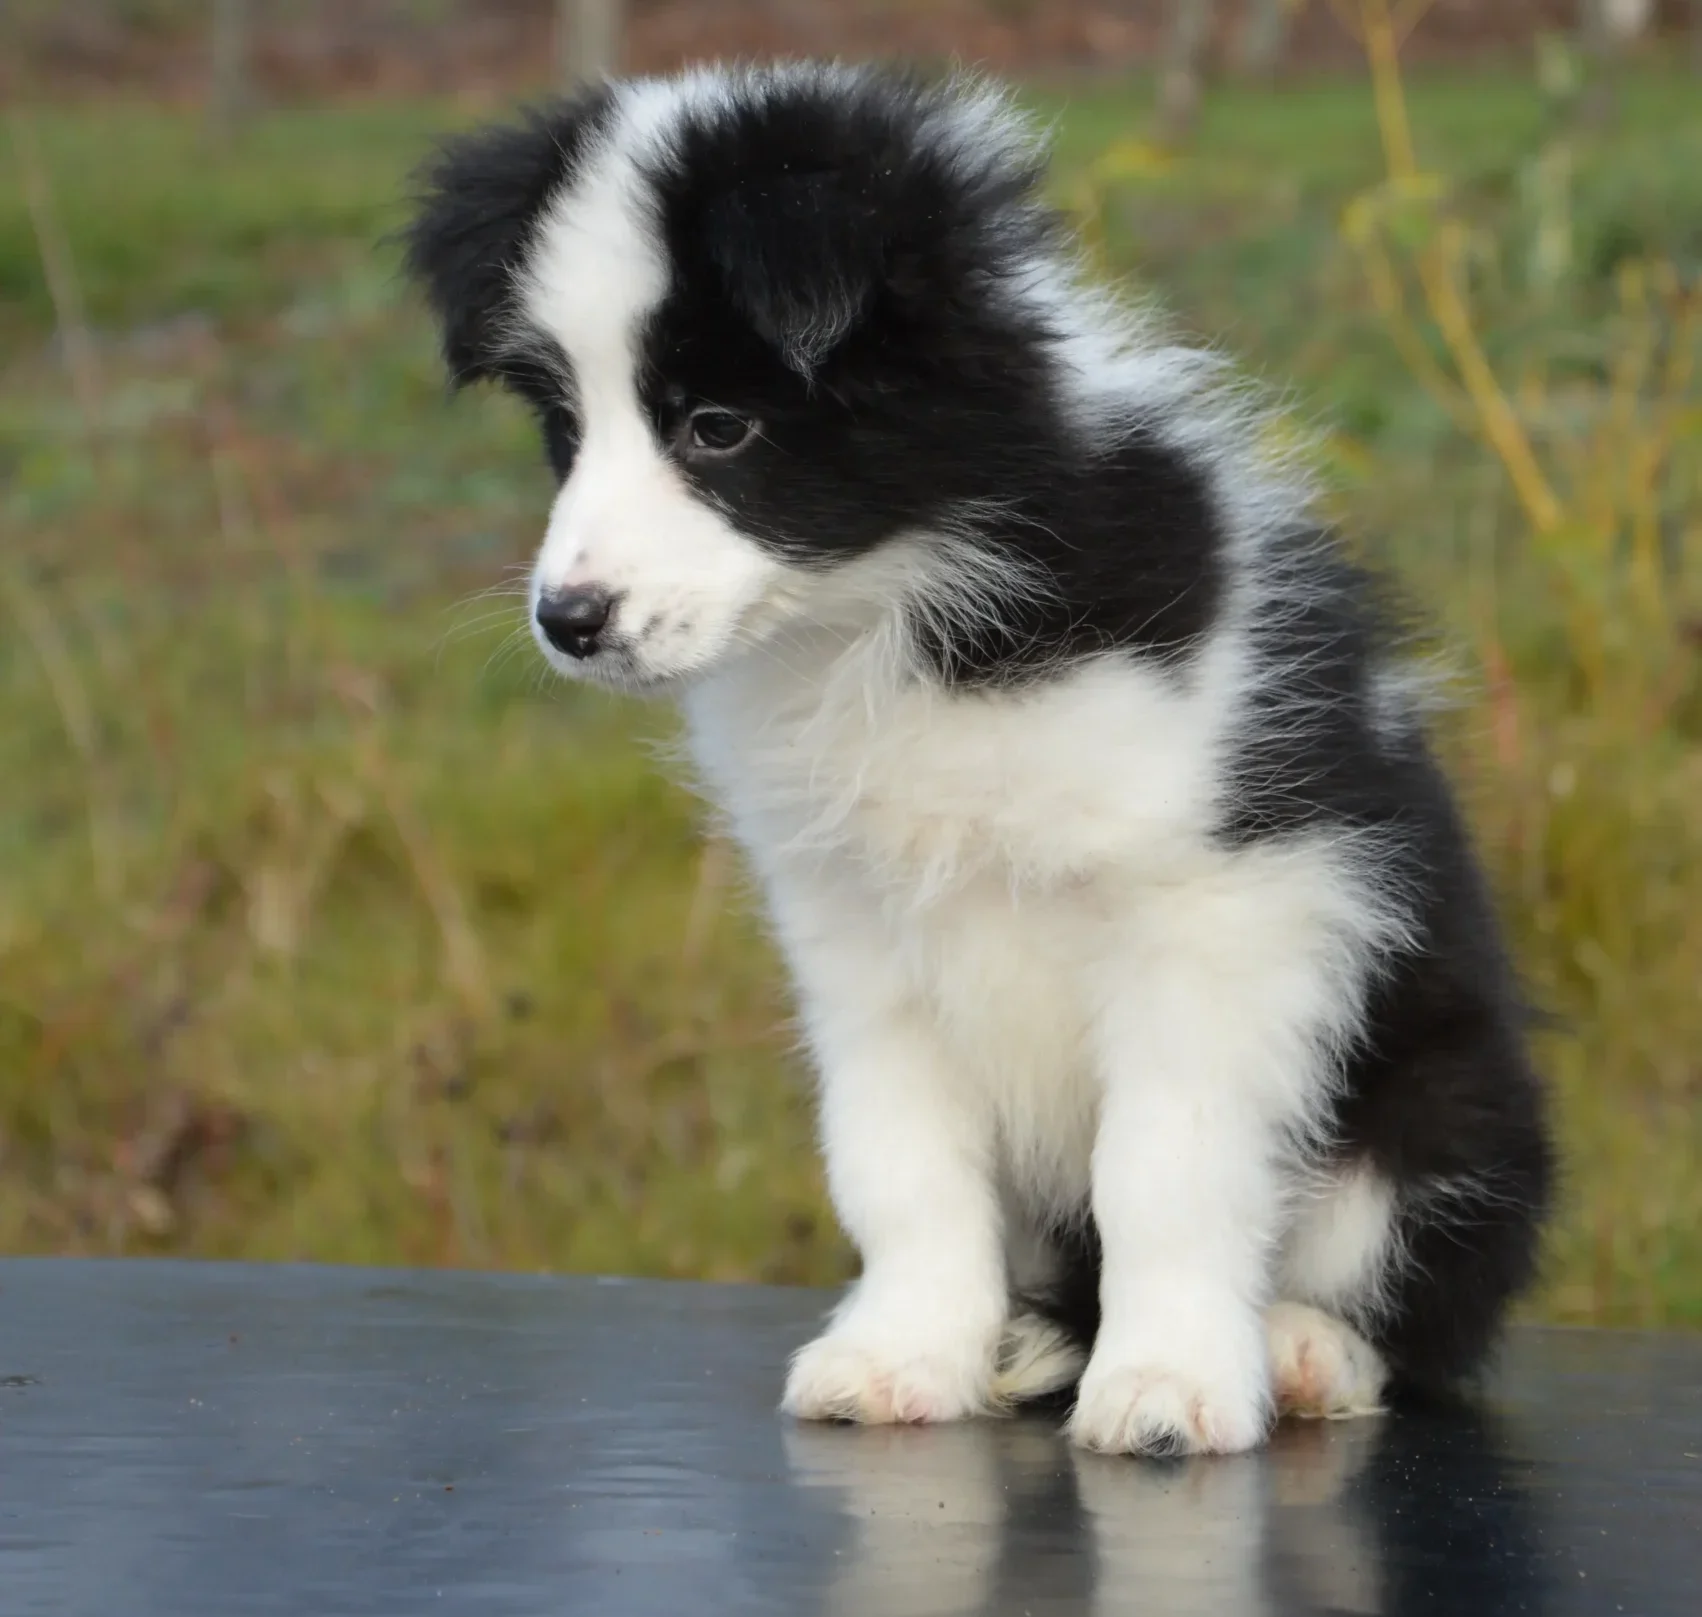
480	199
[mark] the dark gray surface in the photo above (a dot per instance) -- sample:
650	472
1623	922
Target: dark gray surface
182	1439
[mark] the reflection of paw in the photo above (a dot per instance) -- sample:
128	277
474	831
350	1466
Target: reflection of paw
1321	1368
1155	1408
836	1378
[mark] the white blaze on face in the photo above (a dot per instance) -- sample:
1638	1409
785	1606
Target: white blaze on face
684	579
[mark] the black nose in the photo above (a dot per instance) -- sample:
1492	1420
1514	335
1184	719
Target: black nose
573	619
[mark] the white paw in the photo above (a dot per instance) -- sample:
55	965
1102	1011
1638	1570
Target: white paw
1164	1409
1320	1367
836	1377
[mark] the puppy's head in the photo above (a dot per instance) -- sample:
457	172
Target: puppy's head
780	328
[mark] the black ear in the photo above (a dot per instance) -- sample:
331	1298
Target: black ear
801	258
479	200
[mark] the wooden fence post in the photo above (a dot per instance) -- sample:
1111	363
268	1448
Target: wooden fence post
231	93
1180	86
1264	36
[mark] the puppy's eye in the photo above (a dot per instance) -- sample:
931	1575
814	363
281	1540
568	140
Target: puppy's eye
712	434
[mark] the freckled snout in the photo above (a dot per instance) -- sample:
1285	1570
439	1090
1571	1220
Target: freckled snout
575	620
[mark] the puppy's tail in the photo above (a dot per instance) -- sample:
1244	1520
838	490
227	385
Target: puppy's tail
1037	1359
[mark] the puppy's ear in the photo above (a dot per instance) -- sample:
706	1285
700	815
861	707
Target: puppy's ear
478	203
801	257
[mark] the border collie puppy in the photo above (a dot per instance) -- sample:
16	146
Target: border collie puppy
1166	1044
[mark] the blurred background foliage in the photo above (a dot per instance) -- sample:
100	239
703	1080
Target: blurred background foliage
330	929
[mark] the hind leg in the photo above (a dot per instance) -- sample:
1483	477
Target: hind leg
1467	1246
1335	1268
1417	1276
1321	1368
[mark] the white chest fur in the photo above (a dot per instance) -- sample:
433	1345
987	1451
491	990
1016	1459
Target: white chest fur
1109	772
987	846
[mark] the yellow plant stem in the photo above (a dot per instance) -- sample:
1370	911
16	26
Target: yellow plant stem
1437	265
1409	343
1382	51
59	668
1644	452
1437	274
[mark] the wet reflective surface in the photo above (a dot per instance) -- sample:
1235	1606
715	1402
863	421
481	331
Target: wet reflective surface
183	1439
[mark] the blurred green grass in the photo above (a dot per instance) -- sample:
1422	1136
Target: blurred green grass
329	929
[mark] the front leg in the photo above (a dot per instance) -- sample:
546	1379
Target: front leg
909	1167
1214	1048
